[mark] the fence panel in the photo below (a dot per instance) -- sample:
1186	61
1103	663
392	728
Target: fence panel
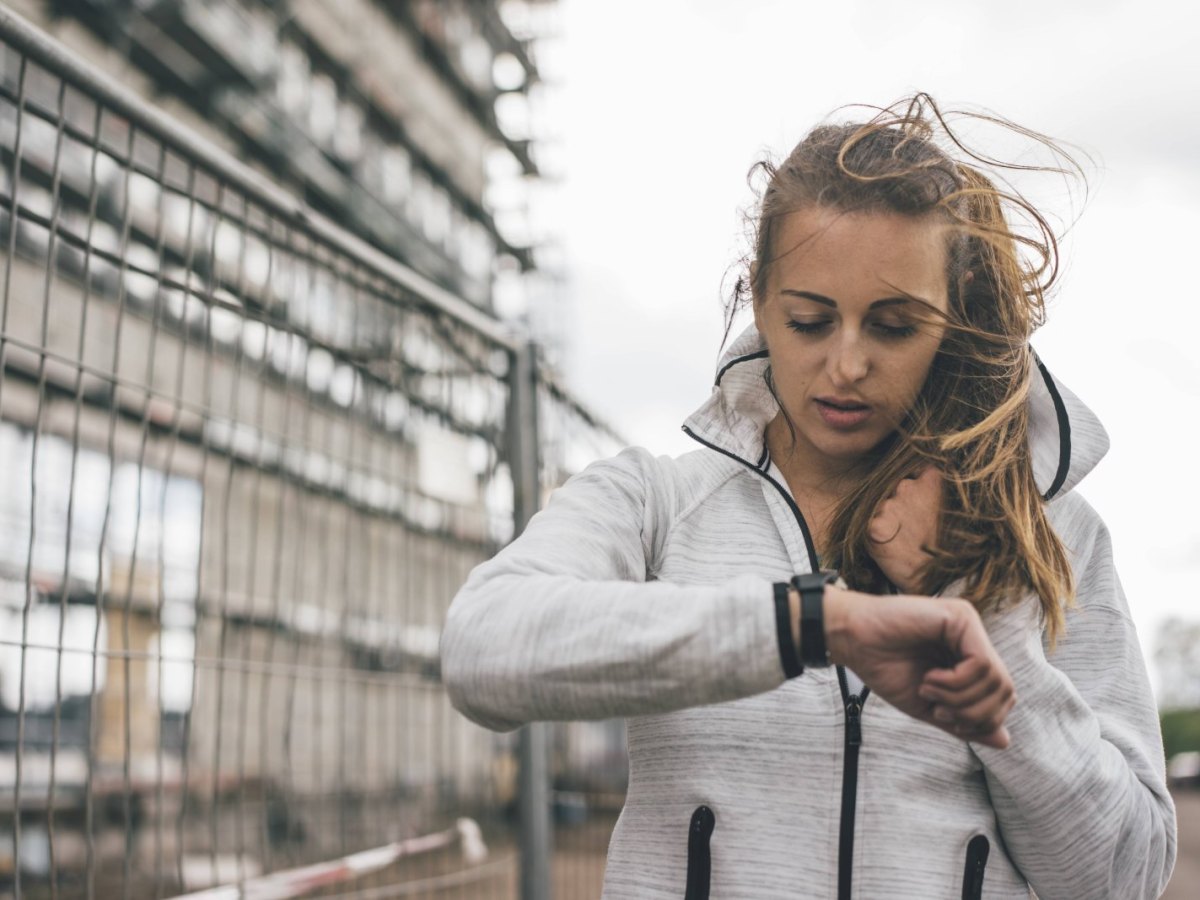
247	461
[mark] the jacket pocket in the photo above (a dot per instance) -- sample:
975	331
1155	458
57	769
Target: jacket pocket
977	855
699	864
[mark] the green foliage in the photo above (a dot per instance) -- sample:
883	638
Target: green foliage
1181	730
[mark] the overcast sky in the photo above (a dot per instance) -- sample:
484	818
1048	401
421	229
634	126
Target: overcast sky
665	105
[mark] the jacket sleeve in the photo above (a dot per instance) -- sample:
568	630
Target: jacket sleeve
1080	793
564	623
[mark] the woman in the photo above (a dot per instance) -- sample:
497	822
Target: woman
884	417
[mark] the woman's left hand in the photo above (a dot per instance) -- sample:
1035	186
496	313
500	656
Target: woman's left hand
904	524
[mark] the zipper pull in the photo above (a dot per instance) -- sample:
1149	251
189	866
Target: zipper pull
854	721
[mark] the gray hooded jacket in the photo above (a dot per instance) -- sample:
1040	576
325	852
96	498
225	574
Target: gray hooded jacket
644	590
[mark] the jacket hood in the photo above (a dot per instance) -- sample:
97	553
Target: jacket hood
1066	438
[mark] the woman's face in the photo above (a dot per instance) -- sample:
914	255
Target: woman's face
847	321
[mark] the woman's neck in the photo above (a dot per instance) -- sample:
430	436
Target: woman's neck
810	473
818	483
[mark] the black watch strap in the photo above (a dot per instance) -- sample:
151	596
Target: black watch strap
811	588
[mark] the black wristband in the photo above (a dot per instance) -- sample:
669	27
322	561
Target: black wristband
783	632
811	586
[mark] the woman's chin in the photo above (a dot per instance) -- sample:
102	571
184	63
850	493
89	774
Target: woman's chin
849	449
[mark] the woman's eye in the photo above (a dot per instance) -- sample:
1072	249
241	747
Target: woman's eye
813	327
895	331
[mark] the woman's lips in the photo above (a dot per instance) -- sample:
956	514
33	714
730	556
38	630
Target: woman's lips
842	414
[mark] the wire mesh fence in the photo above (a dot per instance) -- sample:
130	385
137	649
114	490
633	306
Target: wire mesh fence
246	462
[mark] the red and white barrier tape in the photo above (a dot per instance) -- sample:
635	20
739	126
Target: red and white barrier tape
297	882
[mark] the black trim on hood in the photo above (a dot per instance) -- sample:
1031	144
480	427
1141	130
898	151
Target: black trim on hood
765	458
758	354
1064	433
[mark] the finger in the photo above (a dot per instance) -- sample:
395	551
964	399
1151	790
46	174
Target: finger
973	692
998	738
989	736
985	715
990	686
927	483
922	490
917	473
885	525
885	510
967	638
992	734
959	677
883	531
929	476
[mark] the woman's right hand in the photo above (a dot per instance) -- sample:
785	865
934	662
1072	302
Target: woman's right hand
904	526
929	657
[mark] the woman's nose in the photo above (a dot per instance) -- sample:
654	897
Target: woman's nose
848	361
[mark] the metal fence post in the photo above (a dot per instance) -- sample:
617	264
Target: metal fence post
534	779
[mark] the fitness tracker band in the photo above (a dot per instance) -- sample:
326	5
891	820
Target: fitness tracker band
811	588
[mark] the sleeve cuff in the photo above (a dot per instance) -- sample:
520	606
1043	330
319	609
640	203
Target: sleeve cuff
783	632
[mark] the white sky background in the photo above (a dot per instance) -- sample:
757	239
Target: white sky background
663	106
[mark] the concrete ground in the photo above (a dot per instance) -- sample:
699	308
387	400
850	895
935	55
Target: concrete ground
1185	883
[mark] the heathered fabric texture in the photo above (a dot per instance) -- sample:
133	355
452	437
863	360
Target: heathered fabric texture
644	590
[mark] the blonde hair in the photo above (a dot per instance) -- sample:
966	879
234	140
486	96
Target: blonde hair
970	418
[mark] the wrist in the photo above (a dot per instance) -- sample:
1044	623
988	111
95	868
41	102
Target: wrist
838	602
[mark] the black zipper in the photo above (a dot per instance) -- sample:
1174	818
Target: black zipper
699	861
977	857
852	703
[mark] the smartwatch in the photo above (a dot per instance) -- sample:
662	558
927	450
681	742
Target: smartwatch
811	588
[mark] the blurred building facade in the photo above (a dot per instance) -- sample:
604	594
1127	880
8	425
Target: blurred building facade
384	115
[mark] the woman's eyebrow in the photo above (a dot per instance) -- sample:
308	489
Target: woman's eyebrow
828	301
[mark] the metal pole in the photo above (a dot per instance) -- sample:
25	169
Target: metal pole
534	779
